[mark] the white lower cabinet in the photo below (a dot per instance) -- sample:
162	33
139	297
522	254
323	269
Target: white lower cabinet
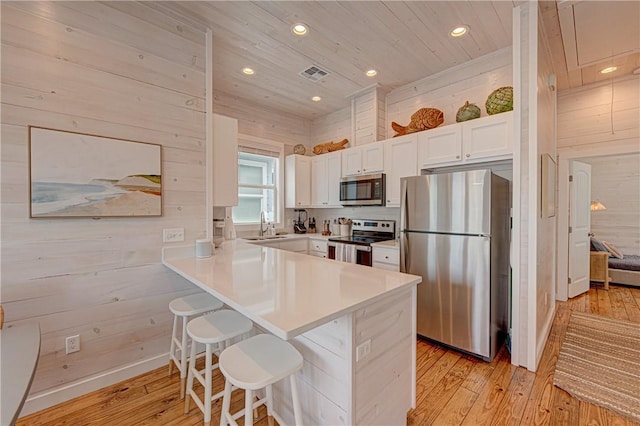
298	245
386	258
317	247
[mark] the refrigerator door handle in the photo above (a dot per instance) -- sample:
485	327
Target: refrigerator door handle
404	243
404	252
403	204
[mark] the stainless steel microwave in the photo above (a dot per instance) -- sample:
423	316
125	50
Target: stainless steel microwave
363	190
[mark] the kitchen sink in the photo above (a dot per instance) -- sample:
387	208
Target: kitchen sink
266	237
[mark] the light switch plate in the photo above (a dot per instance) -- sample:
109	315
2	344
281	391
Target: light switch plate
363	350
172	235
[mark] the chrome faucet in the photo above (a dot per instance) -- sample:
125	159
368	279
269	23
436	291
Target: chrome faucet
261	231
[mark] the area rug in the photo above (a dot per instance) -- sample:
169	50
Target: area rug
599	362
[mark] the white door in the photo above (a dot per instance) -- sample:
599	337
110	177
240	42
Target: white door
579	226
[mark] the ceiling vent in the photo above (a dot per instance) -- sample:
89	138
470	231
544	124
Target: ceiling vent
314	73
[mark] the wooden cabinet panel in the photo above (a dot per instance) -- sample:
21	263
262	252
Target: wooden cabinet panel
373	158
363	159
326	171
400	161
440	146
386	258
474	141
488	137
298	181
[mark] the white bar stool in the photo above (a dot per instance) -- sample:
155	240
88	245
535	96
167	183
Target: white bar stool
216	328
186	307
257	363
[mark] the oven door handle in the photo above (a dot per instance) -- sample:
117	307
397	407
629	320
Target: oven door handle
363	248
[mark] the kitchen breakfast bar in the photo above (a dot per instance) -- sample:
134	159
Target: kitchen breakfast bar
354	325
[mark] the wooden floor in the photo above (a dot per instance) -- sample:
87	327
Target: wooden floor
452	389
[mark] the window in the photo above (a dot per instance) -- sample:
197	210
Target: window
259	180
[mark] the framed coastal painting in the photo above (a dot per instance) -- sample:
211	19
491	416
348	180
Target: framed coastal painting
75	175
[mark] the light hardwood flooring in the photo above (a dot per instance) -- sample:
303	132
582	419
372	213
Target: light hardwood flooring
452	388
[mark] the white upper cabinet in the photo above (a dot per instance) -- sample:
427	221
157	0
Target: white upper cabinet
474	141
297	181
224	157
364	159
400	161
440	146
488	138
326	171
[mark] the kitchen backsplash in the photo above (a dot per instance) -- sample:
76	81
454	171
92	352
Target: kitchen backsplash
379	213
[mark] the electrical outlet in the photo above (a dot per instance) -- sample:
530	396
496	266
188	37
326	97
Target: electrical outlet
172	235
363	350
72	344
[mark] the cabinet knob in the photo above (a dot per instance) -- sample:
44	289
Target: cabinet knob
386	257
468	155
364	170
457	157
358	171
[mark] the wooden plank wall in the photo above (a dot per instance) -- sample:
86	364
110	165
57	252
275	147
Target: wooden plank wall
471	81
546	226
601	119
447	91
263	122
125	70
89	67
602	114
615	182
333	127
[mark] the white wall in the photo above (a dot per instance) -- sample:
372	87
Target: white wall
615	182
597	120
89	67
447	91
263	122
546	226
333	127
125	70
536	130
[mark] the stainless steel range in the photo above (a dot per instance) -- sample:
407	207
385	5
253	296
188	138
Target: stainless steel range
357	247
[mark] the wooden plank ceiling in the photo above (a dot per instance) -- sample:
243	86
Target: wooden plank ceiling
403	41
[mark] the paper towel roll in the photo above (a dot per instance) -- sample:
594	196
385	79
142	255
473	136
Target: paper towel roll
203	248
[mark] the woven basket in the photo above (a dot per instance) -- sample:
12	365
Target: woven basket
500	100
467	112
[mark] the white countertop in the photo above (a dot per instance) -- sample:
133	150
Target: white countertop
286	237
388	243
284	292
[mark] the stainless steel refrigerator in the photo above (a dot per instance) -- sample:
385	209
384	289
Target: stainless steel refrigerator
454	232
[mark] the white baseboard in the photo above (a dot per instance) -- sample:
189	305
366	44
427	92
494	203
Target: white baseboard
52	397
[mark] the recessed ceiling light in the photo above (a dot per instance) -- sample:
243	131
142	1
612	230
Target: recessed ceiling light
316	99
607	70
299	29
459	31
372	73
248	71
